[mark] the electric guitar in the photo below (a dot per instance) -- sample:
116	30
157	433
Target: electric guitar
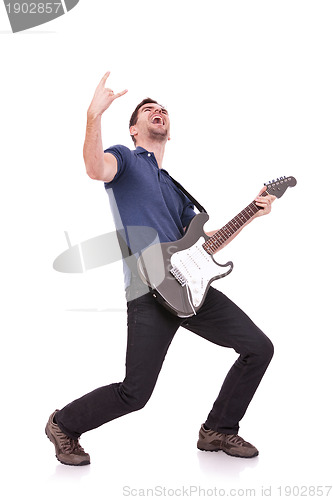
179	273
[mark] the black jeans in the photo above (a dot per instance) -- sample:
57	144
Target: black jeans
150	331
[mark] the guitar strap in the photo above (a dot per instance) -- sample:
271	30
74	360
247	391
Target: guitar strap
126	251
190	197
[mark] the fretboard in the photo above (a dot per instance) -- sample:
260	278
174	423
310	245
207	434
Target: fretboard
215	242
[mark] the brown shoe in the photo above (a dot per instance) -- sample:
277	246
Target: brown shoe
232	444
68	450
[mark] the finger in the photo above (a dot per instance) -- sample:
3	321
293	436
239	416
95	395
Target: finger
262	205
262	190
263	199
120	93
266	199
103	80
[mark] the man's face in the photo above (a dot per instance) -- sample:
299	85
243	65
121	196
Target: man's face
153	123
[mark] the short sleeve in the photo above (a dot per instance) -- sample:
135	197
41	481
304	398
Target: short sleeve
122	155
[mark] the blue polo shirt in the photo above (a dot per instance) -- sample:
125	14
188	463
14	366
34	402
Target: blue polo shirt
143	196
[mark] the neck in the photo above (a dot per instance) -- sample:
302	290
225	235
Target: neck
156	147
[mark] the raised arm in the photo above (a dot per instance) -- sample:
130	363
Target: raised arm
99	165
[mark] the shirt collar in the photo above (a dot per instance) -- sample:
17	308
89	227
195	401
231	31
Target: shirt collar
140	150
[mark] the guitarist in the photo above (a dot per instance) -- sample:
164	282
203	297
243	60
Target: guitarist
142	194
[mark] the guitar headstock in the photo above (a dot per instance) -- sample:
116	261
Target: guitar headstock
279	186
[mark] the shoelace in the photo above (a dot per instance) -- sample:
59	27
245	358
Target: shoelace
230	438
68	444
235	439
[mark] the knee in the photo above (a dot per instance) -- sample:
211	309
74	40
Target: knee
134	399
137	403
266	349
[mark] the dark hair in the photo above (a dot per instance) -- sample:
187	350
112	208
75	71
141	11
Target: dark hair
134	117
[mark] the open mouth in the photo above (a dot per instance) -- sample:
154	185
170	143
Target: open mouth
157	120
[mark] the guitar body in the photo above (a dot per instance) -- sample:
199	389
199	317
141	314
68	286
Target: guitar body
179	273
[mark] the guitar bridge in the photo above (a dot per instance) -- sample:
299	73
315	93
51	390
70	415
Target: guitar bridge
178	275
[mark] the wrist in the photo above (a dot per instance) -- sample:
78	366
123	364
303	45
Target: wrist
93	116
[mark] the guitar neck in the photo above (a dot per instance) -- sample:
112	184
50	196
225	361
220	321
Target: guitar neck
215	242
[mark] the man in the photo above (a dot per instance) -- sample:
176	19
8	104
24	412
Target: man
142	194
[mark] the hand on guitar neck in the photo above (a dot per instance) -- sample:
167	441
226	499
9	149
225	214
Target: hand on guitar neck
264	201
179	273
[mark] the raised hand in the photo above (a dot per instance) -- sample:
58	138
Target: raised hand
103	98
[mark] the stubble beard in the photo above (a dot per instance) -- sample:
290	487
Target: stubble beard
160	134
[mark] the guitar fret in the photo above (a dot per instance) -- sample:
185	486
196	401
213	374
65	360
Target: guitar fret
189	264
214	243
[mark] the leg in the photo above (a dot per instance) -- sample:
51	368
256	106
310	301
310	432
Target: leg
222	322
150	332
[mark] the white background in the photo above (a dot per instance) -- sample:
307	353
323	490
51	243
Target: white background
248	85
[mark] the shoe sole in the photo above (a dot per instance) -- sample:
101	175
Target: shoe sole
230	454
84	462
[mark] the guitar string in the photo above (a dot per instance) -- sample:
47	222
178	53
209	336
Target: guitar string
188	262
217	240
223	236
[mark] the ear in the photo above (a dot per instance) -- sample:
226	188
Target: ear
133	131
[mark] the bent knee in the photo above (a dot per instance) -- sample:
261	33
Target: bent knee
133	399
266	349
139	403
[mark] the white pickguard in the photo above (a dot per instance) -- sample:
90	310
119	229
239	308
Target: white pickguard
195	268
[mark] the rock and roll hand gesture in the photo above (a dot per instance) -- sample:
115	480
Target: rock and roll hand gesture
103	98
